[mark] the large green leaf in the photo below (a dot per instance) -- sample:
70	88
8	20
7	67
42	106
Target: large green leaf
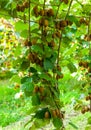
48	64
35	100
28	88
72	67
57	123
20	26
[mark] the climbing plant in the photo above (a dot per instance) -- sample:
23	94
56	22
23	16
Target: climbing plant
56	34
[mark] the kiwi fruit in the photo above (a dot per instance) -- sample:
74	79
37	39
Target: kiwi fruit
42	12
26	4
36	89
87	98
65	1
57	112
89	69
35	10
50	12
63	23
83	111
18	7
54	35
45	23
41	89
46	115
58	34
84	21
54	114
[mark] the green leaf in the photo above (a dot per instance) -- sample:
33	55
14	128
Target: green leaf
89	120
72	67
20	26
37	49
15	78
24	33
35	100
18	51
57	123
25	64
44	76
41	113
73	125
32	69
28	88
48	64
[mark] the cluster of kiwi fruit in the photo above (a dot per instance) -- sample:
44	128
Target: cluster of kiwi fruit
84	64
87	66
87	37
54	113
88	97
29	43
22	7
61	24
83	21
43	12
41	91
85	109
56	34
33	57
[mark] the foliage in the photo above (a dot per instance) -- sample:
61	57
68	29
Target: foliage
57	39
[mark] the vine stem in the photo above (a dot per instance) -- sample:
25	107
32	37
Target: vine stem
62	32
29	23
68	9
89	47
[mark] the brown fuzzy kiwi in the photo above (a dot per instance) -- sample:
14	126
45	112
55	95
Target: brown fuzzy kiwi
83	111
41	89
84	21
59	68
42	12
57	25
46	115
31	58
35	10
80	63
85	64
26	4
90	97
27	43
57	112
65	1
41	21
87	98
61	116
63	23
89	69
86	108
36	89
54	114
50	12
54	35
18	7
22	8
45	23
58	34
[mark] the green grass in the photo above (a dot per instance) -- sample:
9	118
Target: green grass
11	109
